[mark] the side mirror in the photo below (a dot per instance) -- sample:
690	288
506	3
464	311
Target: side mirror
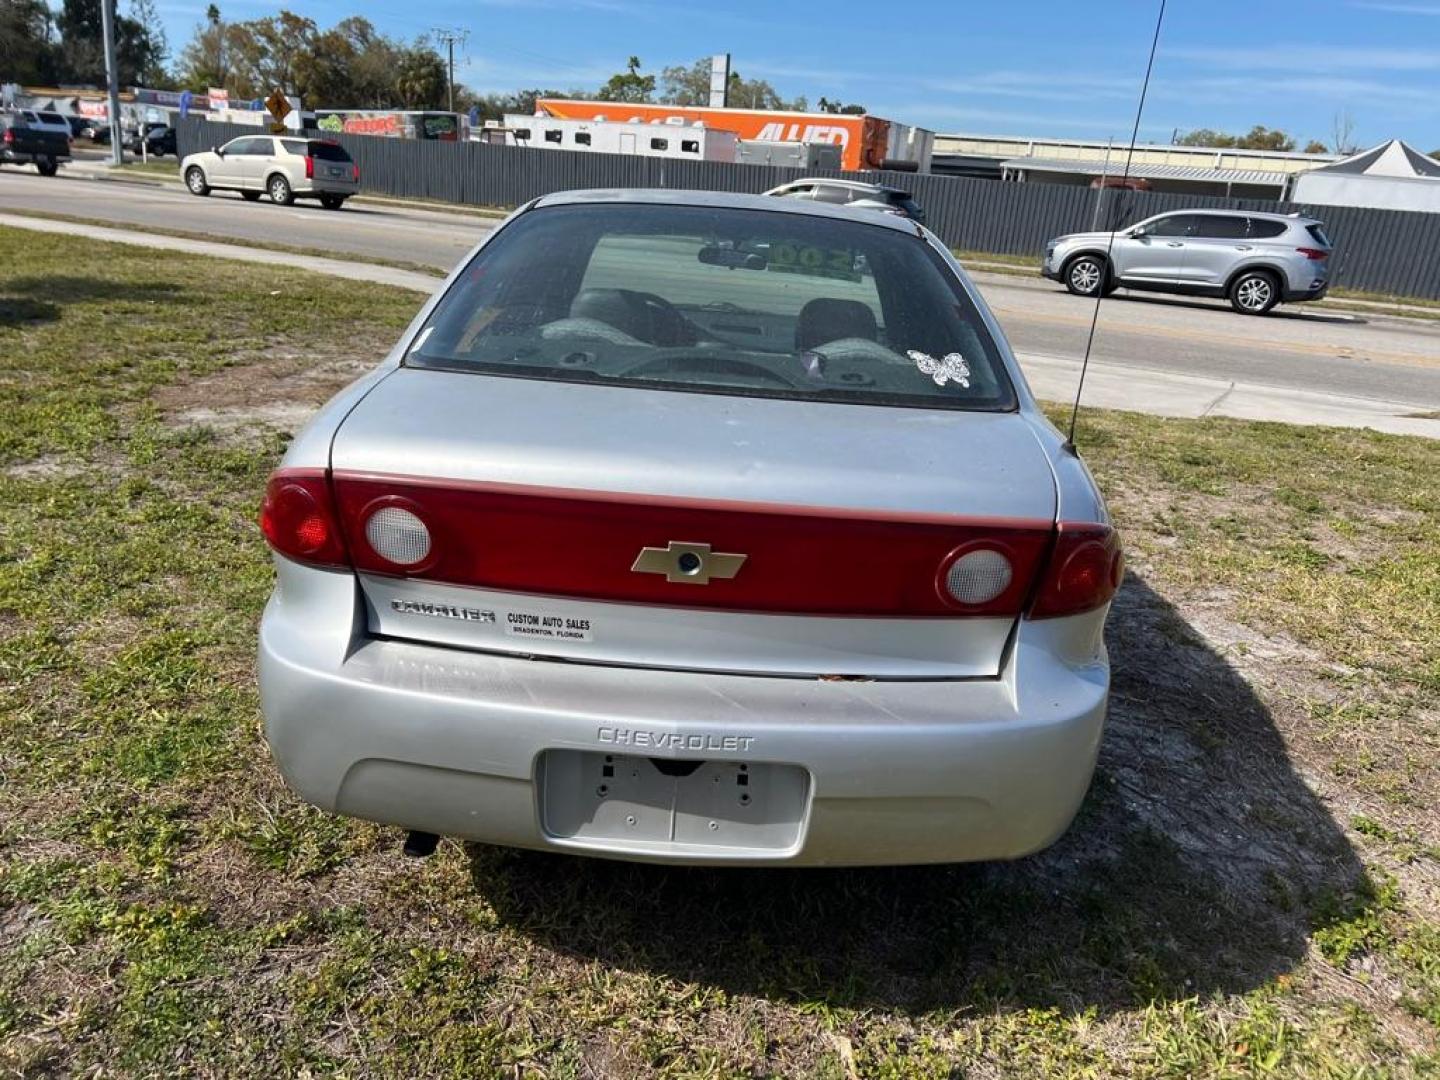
1137	233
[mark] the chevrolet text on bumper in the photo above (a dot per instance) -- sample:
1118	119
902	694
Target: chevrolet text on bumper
582	573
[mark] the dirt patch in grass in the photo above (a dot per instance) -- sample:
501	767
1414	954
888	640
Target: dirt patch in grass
1252	886
280	388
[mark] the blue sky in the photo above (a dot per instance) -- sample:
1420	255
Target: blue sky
1031	67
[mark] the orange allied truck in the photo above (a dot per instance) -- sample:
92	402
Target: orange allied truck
866	142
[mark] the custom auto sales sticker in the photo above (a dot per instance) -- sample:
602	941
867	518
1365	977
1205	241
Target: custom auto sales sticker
543	626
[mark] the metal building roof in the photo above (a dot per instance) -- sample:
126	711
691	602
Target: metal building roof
1150	172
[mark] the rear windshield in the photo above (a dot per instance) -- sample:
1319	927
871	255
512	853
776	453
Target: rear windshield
1317	231
726	301
327	151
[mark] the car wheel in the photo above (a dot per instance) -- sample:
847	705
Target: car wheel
48	167
332	202
1085	276
1254	292
250	196
195	181
280	192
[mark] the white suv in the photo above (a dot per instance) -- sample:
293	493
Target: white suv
286	168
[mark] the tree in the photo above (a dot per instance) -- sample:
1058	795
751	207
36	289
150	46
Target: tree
521	102
1315	146
350	65
147	45
759	94
1258	137
420	78
828	106
628	85
139	45
691	86
28	53
202	62
1342	133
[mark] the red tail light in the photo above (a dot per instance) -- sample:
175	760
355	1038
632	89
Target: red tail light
355	173
1083	573
797	560
298	518
1314	254
309	168
9	136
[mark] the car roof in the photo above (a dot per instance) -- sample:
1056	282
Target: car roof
723	199
1266	215
858	185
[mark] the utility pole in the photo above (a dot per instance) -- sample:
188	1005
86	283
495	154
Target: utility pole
450	37
112	84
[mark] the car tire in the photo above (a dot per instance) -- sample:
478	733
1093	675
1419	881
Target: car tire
332	202
251	196
1254	292
48	167
195	181
280	191
1085	275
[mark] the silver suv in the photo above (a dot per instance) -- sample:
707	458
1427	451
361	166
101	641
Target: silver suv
1253	260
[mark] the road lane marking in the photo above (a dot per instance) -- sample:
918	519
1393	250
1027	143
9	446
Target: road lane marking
1333	352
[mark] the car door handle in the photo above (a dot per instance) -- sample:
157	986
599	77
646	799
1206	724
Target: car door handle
1174	243
1243	247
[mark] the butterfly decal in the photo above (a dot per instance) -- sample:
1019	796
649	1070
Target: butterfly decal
949	368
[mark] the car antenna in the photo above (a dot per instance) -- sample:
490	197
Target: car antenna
1110	237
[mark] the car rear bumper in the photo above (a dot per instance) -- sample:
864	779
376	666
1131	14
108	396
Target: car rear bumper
28	157
325	186
495	748
1314	292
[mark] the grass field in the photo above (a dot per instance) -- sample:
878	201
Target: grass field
1252	887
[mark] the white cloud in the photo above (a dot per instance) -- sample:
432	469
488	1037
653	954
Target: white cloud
1315	59
487	76
1318	87
1038	85
1399	9
943	117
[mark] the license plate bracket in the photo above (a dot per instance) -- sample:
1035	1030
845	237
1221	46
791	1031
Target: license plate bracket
618	800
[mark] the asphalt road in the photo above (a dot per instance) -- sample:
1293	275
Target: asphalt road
1372	356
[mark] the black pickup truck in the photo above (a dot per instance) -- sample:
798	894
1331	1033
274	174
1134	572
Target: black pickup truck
26	142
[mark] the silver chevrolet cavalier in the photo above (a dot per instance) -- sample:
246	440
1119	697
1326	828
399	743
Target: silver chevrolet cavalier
693	528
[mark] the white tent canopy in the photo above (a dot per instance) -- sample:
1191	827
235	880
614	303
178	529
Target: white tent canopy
1391	176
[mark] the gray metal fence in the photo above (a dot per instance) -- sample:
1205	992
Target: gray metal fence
1386	251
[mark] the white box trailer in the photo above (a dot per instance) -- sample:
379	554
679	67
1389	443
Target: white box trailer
678	141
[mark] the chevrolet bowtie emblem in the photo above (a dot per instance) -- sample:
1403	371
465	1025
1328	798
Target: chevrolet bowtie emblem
688	564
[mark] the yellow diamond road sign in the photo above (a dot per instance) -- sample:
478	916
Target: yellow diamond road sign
278	106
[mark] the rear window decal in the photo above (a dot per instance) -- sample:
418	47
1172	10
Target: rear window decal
949	368
792	258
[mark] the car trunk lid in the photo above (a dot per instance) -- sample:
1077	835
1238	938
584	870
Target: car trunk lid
690	530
